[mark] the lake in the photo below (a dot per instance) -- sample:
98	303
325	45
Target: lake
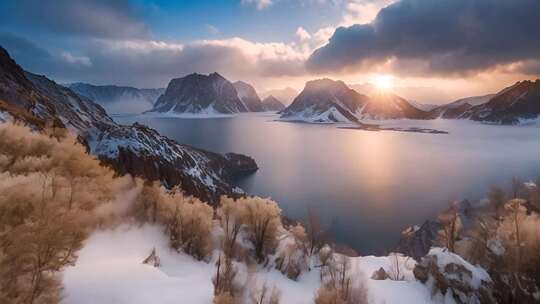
366	186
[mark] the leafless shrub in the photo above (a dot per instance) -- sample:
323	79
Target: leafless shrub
265	295
338	286
224	279
395	271
292	261
451	226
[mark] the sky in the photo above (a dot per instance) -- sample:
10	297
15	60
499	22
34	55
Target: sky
431	51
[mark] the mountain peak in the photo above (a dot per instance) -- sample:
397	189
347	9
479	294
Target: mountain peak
200	94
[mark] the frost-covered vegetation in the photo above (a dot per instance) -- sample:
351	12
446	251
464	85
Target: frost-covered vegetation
73	231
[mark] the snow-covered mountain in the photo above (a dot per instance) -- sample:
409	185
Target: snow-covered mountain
457	108
271	103
39	102
512	105
118	99
327	101
385	105
200	94
248	96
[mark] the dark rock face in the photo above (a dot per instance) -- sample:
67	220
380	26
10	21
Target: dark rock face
416	241
200	94
452	275
248	96
390	106
136	149
520	101
271	103
321	96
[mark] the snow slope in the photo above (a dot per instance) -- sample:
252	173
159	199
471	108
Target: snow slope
109	270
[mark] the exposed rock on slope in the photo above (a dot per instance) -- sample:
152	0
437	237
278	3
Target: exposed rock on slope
511	105
200	94
453	277
248	96
271	103
118	99
135	149
416	241
383	105
325	101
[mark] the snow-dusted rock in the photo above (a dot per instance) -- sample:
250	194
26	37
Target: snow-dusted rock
248	96
453	277
200	94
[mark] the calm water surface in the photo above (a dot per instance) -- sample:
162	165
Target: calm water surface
367	186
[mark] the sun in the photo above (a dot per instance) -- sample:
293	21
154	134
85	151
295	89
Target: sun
383	82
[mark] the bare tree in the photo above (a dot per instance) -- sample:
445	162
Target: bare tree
497	199
517	185
517	213
315	232
451	225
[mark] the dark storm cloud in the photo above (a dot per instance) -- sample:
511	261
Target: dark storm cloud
437	36
96	18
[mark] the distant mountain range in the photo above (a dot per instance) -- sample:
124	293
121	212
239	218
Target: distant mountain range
39	102
329	101
118	99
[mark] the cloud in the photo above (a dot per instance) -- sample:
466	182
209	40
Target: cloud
70	58
445	37
149	63
302	34
97	18
259	4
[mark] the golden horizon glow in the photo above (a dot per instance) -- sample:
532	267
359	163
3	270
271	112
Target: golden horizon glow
383	82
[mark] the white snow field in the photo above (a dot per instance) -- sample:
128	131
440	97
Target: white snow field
110	270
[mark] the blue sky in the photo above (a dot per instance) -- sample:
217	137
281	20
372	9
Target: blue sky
443	49
189	20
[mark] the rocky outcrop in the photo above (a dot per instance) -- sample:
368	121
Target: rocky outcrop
248	96
417	241
136	149
118	99
449	275
272	104
200	94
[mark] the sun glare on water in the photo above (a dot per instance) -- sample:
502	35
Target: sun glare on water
383	82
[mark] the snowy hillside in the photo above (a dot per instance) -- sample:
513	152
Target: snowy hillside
119	254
